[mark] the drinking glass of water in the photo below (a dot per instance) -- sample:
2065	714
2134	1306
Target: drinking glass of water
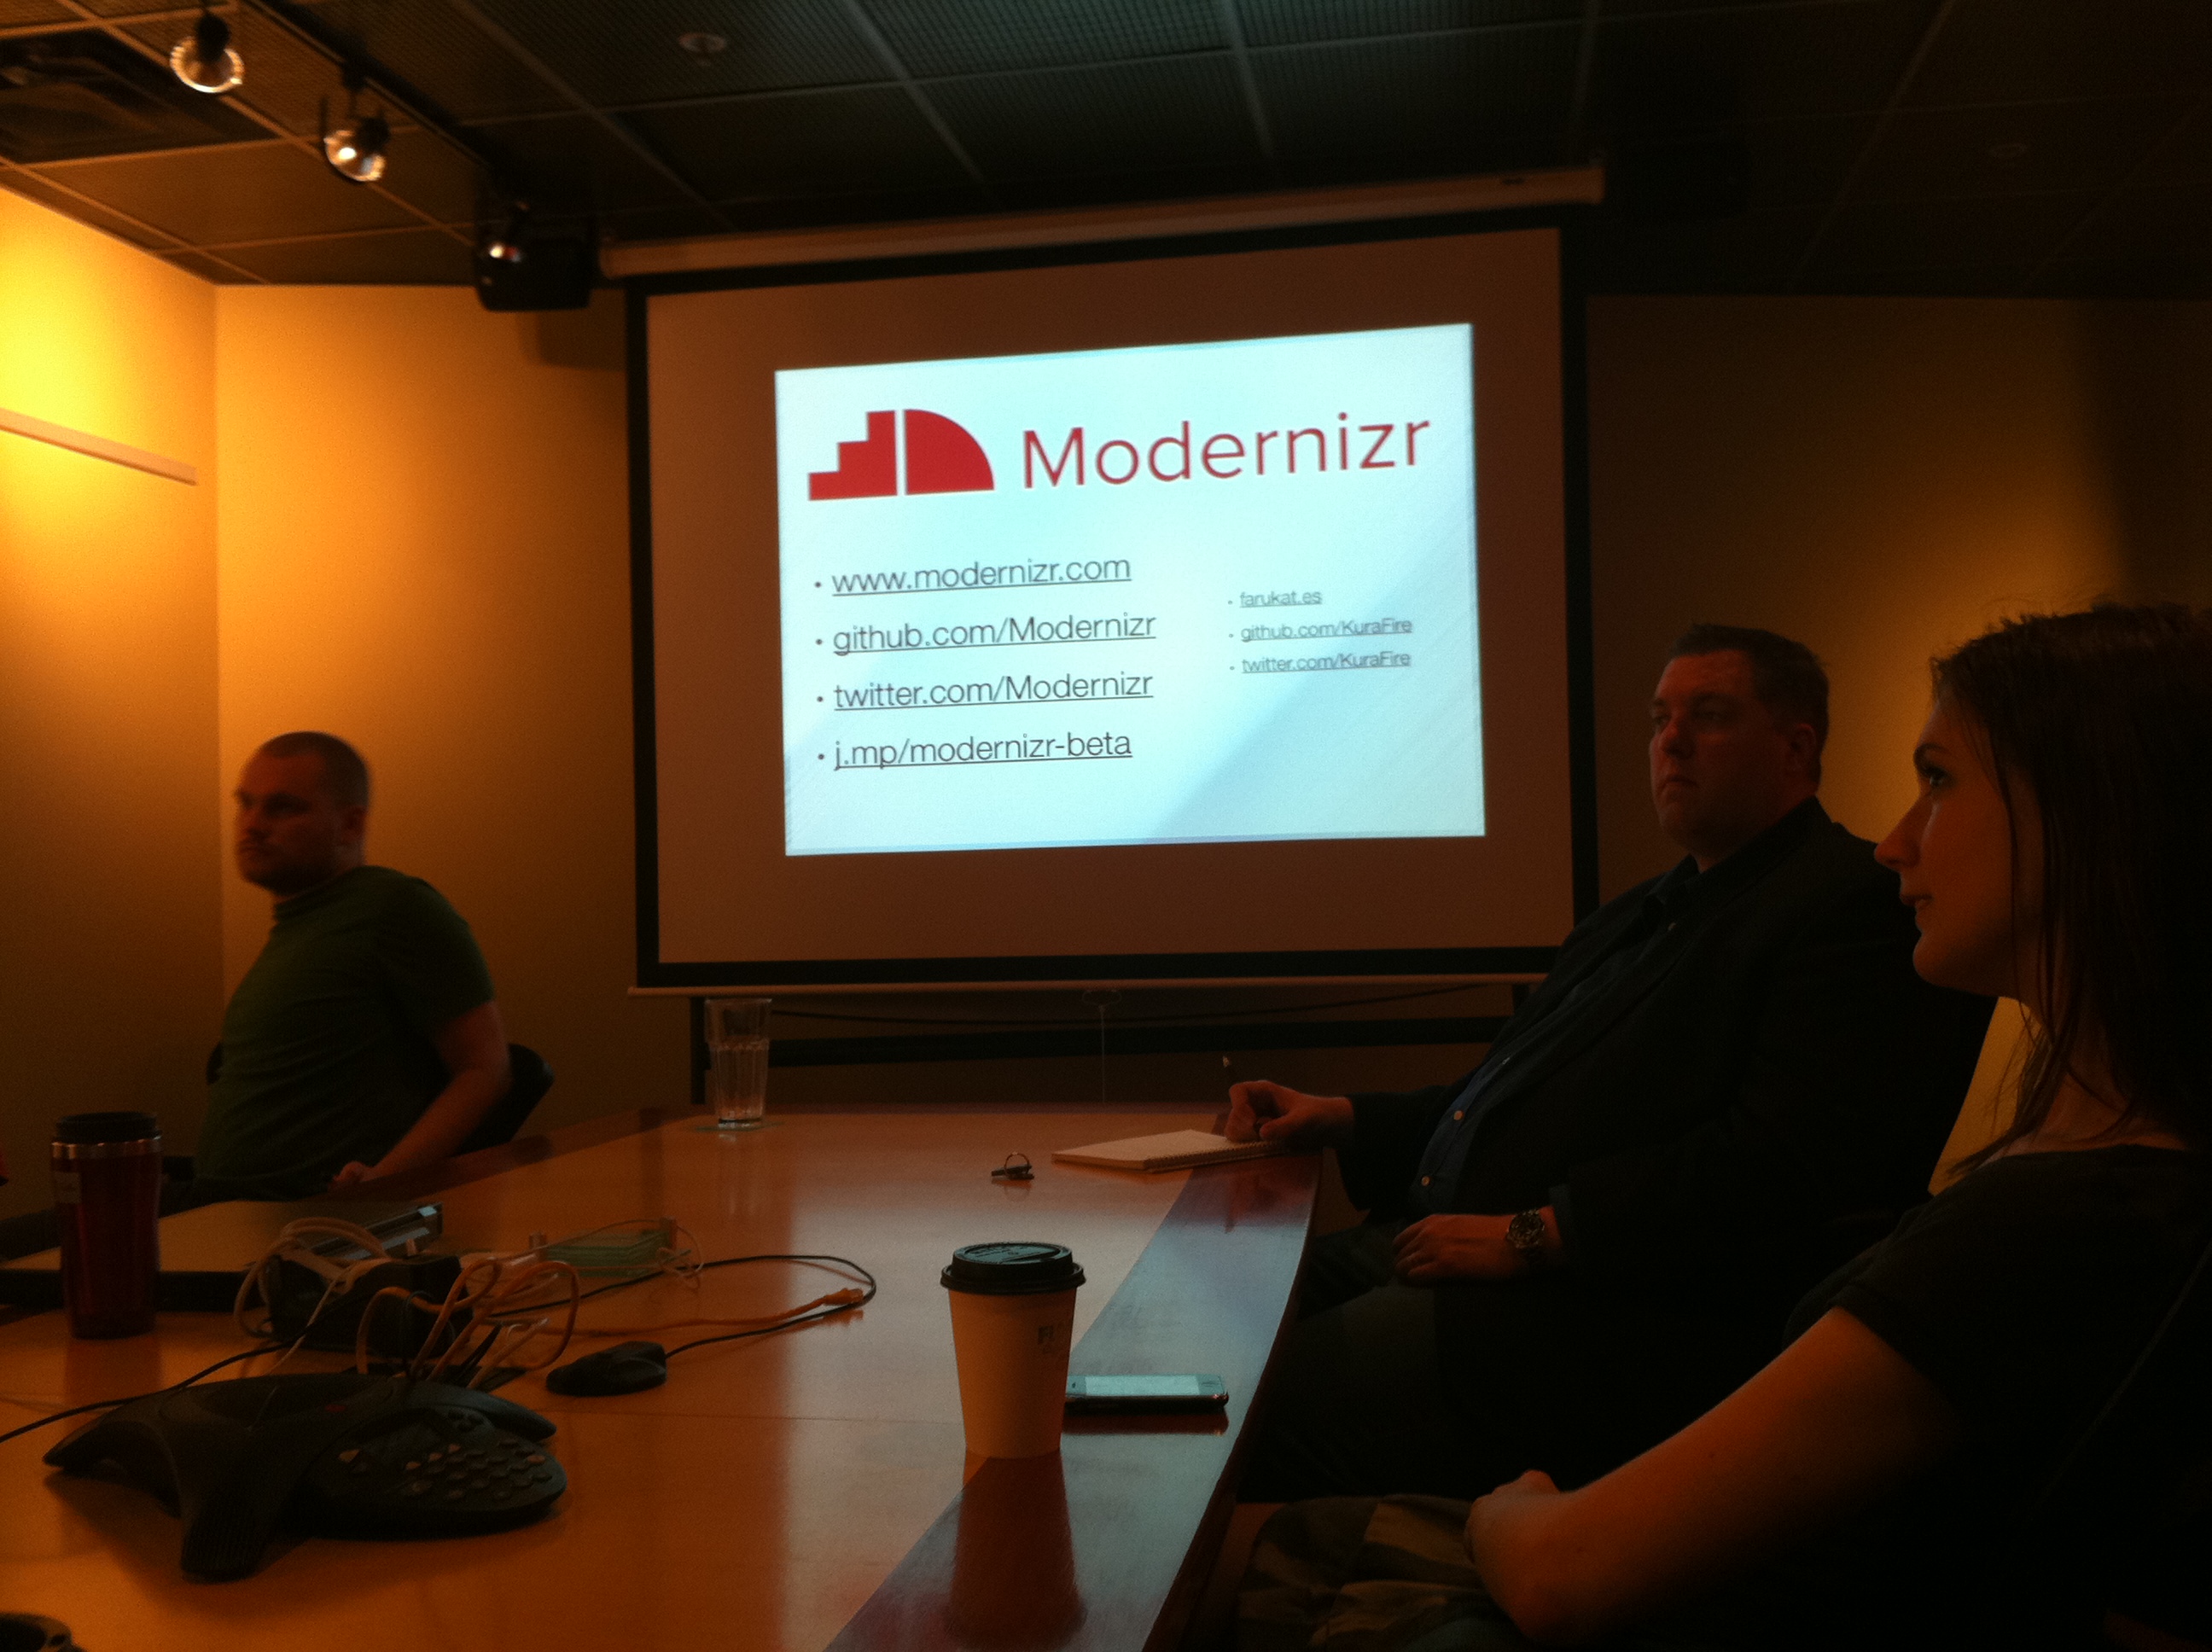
737	1081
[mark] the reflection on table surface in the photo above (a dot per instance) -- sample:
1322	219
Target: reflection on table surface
760	1498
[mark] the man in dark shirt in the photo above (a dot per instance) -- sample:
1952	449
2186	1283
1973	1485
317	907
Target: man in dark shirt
365	1040
1730	1081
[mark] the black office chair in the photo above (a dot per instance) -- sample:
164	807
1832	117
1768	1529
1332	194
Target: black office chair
530	1076
2128	1511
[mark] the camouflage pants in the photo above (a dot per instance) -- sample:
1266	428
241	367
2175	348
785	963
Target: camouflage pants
1374	1575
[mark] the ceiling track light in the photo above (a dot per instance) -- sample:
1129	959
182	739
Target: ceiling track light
358	148
203	59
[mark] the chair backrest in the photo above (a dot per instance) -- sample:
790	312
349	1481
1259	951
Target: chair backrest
2135	1490
530	1076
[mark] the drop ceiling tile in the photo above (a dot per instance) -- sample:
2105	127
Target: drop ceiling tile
430	175
859	207
864	139
2185	156
1752	253
1289	22
1922	234
2032	51
411	257
1121	118
968	37
441	53
48	193
1796	163
209	268
2134	224
2009	149
1497	100
1778	95
141	8
1752	62
247	192
1349	171
2171	275
81	91
1783	163
1175	183
624	52
1934	281
1637	8
573	162
662	223
286	78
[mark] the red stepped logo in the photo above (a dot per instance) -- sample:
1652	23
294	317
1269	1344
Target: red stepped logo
941	458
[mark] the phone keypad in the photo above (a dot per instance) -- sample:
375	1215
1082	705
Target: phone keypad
446	1468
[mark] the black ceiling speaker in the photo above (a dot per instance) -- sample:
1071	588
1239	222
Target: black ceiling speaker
536	272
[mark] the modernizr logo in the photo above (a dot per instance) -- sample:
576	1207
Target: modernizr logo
941	458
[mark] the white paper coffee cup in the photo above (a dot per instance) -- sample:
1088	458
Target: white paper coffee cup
1013	1317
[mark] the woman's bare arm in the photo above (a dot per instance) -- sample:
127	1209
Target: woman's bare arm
1837	1419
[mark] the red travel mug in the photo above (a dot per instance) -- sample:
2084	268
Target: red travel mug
108	1194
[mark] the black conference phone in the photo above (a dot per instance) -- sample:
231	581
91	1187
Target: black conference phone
340	1455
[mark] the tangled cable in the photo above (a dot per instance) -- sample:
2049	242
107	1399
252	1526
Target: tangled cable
841	1301
478	1327
488	1317
469	1338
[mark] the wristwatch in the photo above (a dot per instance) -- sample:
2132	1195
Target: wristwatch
1525	1234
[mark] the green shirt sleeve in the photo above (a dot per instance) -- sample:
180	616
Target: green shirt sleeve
429	960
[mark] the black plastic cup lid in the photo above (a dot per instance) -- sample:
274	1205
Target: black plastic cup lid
1011	1267
106	1127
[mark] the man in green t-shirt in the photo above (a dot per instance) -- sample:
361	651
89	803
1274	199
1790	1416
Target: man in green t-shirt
365	1041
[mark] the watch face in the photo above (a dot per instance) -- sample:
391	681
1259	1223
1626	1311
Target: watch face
1525	1231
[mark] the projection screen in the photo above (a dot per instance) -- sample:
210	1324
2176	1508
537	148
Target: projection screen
1187	612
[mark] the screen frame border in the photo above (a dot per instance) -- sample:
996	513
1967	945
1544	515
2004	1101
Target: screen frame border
1568	220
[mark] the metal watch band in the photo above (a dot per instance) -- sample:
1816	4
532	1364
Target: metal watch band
1525	1234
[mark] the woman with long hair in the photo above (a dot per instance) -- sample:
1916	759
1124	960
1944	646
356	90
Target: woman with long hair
1873	1486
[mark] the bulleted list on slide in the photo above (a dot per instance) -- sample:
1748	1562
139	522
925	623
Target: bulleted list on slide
1182	593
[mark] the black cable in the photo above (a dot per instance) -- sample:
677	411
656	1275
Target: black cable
867	1297
731	1262
553	1302
130	1399
770	1330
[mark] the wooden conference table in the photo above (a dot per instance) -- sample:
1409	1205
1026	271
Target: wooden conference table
795	1490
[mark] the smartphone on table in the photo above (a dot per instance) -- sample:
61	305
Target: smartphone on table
1146	1391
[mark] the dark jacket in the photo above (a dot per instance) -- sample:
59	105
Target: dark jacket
1735	1114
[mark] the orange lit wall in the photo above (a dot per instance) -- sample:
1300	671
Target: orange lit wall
110	958
1879	478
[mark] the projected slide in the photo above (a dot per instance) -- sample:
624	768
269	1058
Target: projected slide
1191	593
